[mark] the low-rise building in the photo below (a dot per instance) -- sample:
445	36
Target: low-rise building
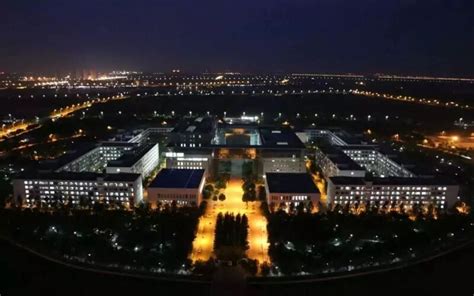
441	193
289	188
188	159
183	186
49	189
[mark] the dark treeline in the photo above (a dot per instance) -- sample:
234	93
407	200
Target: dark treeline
335	241
158	240
231	231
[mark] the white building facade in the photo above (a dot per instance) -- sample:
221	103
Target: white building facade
76	188
410	191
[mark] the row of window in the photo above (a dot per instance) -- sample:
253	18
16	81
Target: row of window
337	197
76	183
441	204
390	188
290	198
434	192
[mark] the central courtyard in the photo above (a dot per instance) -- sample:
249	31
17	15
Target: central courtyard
203	245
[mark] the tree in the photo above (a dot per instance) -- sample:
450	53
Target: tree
292	207
222	197
174	206
19	200
99	207
300	208
207	191
250	266
221	183
265	268
202	207
83	202
261	193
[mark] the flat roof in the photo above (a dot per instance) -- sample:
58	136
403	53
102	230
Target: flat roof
83	176
68	157
290	183
117	144
280	137
178	178
392	181
129	158
340	159
199	125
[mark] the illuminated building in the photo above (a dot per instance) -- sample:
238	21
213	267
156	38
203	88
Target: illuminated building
359	172
90	158
440	193
183	186
333	162
79	176
51	189
141	160
180	160
194	132
289	188
267	148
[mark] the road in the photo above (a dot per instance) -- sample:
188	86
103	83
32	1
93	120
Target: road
203	245
12	130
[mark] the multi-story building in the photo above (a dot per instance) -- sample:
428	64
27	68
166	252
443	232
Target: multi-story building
392	180
141	136
188	160
183	186
376	162
79	176
112	150
192	133
289	188
48	189
335	137
423	191
92	158
142	160
281	151
268	148
333	162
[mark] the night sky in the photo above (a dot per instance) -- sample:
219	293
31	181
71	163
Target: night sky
434	37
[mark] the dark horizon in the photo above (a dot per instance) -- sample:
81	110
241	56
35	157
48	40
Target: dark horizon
398	37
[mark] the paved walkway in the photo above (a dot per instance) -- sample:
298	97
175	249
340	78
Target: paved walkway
258	238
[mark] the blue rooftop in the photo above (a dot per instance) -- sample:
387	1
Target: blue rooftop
177	178
290	183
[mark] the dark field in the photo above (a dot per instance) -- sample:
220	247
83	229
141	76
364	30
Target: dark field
28	107
307	105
